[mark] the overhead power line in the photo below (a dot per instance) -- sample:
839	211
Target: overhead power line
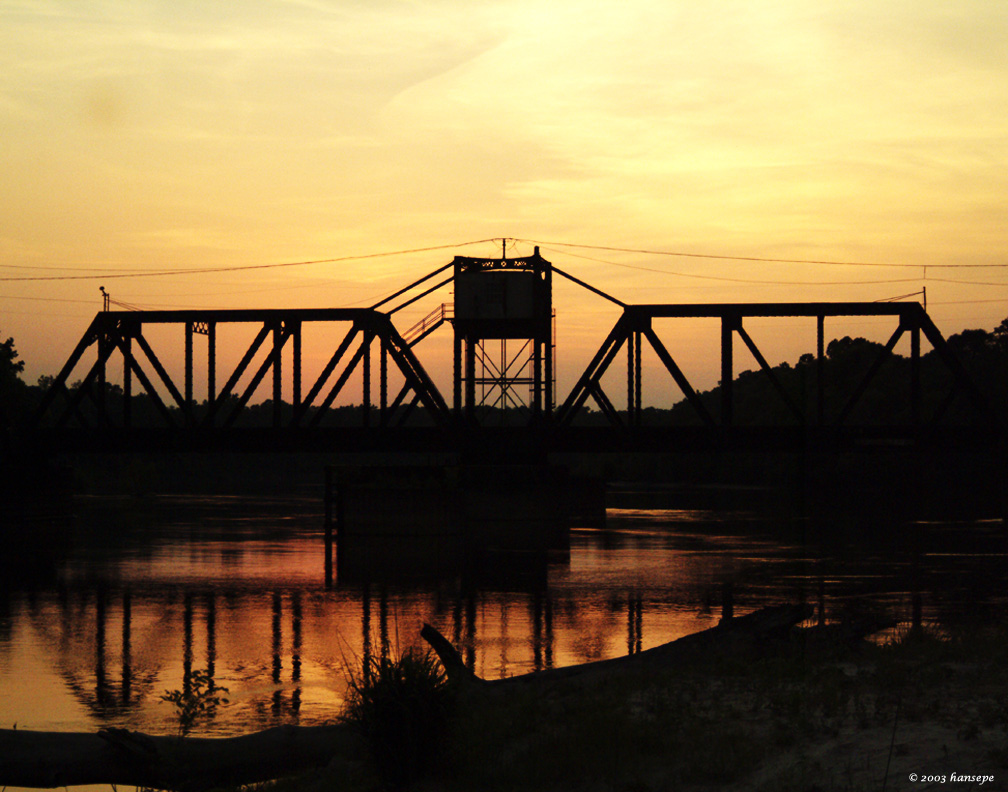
727	279
238	268
764	259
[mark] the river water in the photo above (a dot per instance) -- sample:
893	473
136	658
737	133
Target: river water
146	593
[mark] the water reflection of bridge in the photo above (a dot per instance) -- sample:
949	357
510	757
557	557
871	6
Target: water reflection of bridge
117	650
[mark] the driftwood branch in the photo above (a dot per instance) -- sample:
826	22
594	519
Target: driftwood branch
449	656
118	756
745	633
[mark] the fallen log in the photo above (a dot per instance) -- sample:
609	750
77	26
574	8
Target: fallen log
118	756
754	631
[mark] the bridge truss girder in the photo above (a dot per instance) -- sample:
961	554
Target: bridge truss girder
120	335
122	332
635	327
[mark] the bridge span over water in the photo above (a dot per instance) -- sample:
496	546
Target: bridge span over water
177	392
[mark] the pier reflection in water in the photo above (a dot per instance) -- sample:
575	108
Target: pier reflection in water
236	590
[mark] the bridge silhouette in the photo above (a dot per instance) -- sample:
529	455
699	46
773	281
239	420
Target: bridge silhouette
498	302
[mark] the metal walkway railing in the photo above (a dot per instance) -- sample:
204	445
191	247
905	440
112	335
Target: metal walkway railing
431	322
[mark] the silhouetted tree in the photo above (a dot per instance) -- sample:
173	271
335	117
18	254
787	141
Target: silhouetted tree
13	391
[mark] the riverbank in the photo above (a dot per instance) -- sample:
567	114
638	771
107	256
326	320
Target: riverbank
806	719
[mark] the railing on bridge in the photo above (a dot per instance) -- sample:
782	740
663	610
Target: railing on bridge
431	322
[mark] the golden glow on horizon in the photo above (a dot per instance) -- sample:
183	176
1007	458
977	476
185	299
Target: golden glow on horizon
179	136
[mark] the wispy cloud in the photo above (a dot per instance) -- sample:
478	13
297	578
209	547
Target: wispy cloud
291	129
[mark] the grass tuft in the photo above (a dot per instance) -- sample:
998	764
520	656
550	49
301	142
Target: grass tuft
401	707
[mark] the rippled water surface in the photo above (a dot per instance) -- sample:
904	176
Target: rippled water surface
144	594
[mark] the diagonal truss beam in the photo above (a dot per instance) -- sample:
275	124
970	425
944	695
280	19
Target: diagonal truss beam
226	391
148	386
769	372
884	355
606	406
678	376
342	379
161	371
413	371
593	374
326	372
960	376
59	386
272	361
104	353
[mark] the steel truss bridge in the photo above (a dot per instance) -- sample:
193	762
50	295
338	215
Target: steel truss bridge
401	409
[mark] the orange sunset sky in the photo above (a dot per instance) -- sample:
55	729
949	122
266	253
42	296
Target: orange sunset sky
170	136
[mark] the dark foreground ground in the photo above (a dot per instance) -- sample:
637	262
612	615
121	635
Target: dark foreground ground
911	711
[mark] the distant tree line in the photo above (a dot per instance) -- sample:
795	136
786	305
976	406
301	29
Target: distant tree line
886	400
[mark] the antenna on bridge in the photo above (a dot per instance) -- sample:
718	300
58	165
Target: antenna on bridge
105	298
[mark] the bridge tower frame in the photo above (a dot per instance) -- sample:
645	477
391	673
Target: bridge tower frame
501	300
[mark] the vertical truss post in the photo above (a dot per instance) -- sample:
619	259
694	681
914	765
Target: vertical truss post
638	379
211	366
915	394
537	373
188	373
820	369
549	341
103	354
278	342
383	382
728	324
457	376
630	407
366	390
470	378
127	350
296	367
548	374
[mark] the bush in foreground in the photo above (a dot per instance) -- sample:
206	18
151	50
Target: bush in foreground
401	707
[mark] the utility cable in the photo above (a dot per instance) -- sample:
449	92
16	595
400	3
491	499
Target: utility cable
683	254
900	297
241	267
738	280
